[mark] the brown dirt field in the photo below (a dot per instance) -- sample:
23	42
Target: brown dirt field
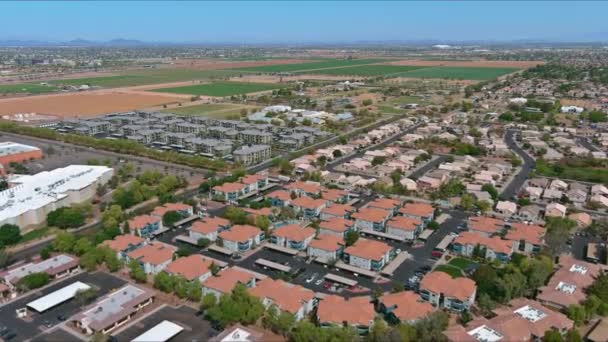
398	80
479	63
205	64
86	104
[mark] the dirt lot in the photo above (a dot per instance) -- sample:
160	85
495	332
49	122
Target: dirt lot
479	63
214	64
87	104
278	79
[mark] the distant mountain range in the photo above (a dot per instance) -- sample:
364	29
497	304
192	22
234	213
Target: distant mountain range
590	39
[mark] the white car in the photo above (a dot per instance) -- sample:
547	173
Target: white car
319	282
309	280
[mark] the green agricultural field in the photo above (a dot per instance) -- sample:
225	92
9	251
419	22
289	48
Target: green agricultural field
221	88
370	70
26	88
464	73
334	63
215	110
149	76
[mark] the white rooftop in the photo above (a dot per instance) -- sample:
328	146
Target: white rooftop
8	148
35	191
161	332
485	334
565	287
57	297
113	304
37	267
237	335
578	269
530	313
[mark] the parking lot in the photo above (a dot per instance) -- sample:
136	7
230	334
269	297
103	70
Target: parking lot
103	282
195	328
55	335
63	155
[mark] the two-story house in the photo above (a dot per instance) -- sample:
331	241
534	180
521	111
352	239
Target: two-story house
371	219
293	236
369	254
145	226
240	238
445	292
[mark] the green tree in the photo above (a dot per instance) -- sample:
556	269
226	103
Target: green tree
170	217
164	282
262	222
239	306
136	272
111	259
378	160
10	234
489	188
552	335
64	242
573	336
203	242
467	201
557	234
82	246
84	297
236	215
66	217
484	206
33	281
90	260
351	237
208	301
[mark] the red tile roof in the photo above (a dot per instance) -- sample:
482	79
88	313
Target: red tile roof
162	210
327	242
209	225
251	179
311	188
494	243
280	194
338	210
122	242
530	233
407	305
368	249
190	267
485	224
229	187
384	203
240	233
440	282
294	232
371	215
141	221
354	311
417	209
286	296
333	194
227	279
336	224
308	203
154	253
403	223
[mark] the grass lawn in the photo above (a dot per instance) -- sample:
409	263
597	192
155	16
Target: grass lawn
148	76
215	110
465	73
221	88
454	272
37	234
461	263
366	70
584	173
311	66
26	88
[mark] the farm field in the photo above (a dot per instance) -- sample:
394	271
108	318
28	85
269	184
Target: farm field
85	104
151	76
26	88
465	73
327	64
220	88
215	110
365	70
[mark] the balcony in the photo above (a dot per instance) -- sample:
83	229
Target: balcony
243	246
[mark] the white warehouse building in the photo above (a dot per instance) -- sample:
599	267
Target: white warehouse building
31	197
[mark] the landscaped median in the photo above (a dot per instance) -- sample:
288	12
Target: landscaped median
116	146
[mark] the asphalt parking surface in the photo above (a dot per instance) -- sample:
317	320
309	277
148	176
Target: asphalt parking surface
28	329
195	327
56	335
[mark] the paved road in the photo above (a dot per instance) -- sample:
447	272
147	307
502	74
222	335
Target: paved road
331	167
27	330
587	144
528	165
427	167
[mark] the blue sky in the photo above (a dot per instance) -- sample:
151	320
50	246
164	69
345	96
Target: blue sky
306	21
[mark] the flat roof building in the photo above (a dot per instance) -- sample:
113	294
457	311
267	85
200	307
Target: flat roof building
55	266
113	310
32	197
11	152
